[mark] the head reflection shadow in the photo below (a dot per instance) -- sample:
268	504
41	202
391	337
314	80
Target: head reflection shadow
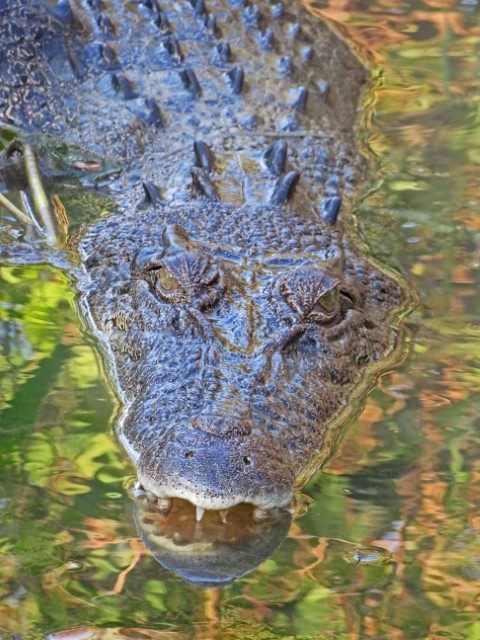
209	553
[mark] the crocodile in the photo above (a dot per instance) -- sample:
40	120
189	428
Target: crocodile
242	316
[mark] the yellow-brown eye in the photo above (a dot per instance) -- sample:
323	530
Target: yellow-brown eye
329	301
167	281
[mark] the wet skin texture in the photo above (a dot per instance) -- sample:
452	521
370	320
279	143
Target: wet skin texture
238	312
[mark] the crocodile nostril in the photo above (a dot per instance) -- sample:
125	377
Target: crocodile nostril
247	460
189	454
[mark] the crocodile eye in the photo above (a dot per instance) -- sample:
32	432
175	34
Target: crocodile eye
329	301
167	281
326	308
312	293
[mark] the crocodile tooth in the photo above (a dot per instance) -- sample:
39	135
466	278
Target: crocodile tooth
284	188
204	184
204	156
138	490
152	194
223	515
189	81
235	79
164	505
199	513
151	497
330	208
260	515
275	157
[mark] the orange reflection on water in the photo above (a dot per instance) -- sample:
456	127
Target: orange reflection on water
396	26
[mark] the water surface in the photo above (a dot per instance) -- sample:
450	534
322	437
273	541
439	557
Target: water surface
390	545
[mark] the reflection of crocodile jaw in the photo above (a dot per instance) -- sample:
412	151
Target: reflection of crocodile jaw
209	553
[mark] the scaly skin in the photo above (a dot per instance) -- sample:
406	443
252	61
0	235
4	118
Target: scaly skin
239	314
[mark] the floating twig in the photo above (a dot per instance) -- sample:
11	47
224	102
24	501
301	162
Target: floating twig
40	201
15	211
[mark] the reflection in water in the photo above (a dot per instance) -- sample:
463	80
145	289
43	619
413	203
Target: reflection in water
405	480
209	553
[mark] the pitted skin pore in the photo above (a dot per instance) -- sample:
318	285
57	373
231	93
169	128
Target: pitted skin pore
239	314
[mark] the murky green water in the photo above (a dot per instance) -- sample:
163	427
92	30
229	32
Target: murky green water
390	546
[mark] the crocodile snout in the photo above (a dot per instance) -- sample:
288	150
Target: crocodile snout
216	463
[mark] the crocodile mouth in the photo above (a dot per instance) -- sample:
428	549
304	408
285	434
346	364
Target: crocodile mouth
164	504
217	463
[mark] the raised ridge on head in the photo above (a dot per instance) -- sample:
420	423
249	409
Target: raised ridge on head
171	46
235	78
275	156
190	82
330	208
123	86
204	184
204	156
284	188
152	194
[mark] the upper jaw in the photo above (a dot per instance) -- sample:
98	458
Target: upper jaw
218	464
214	501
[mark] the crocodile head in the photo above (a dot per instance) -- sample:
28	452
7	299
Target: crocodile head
234	362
